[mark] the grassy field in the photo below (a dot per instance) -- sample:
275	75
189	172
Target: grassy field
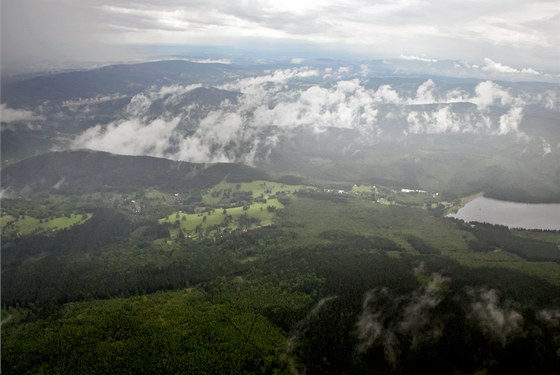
29	224
189	222
257	188
548	271
310	217
259	213
5	220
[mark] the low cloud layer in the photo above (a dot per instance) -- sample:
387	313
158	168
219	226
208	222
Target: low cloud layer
13	115
385	317
131	137
496	67
497	318
252	114
289	356
395	331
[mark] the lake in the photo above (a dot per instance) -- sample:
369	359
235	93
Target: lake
511	214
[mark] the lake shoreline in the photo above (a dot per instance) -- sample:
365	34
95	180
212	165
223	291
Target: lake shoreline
470	198
530	216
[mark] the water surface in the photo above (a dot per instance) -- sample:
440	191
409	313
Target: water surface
511	214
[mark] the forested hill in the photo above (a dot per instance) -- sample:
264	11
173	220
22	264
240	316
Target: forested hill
91	171
125	79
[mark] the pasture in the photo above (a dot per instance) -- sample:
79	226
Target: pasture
28	224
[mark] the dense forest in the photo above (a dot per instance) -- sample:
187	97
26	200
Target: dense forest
339	280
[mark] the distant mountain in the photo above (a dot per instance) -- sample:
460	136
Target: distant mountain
327	121
124	79
191	105
90	171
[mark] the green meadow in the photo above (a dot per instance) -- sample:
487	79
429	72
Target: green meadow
263	213
29	224
256	189
232	206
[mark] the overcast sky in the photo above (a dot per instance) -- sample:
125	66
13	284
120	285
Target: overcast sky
518	33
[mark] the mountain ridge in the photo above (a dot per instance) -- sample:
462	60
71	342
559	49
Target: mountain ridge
90	171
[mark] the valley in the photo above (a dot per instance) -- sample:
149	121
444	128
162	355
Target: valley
155	275
180	217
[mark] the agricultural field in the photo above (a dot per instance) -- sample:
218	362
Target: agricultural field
224	191
243	217
25	225
230	206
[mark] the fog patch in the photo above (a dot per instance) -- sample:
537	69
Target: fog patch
8	193
289	356
546	147
130	137
384	317
497	318
13	115
550	316
75	103
140	104
270	106
59	183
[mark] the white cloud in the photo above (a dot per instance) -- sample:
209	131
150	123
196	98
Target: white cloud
550	316
130	137
498	319
445	120
386	318
550	99
424	94
546	147
417	58
11	115
496	67
364	70
346	105
140	103
509	123
439	122
529	71
293	343
344	70
492	66
91	101
271	105
489	93
212	61
386	94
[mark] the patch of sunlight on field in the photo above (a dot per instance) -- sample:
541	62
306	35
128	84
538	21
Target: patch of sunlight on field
30	224
257	188
259	211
